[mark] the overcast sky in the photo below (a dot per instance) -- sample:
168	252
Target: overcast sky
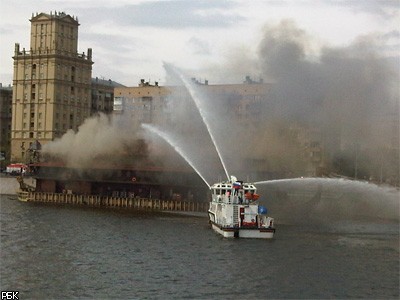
131	38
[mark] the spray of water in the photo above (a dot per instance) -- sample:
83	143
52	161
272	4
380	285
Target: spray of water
196	96
170	141
326	200
326	182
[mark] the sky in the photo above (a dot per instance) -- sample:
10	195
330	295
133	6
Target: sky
211	39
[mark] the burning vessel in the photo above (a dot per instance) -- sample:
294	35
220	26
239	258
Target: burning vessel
234	211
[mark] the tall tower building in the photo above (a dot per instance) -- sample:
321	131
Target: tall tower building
52	83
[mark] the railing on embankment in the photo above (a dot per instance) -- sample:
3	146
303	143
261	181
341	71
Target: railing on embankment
116	202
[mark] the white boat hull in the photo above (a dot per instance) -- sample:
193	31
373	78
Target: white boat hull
230	232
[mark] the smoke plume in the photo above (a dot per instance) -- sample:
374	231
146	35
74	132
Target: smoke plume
98	137
350	94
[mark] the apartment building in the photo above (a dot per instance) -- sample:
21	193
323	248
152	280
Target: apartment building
5	124
152	103
51	83
103	95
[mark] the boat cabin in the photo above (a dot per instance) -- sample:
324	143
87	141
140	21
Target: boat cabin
233	192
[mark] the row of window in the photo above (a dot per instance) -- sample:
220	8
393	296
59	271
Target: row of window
56	126
47	27
66	70
73	69
66	77
72	98
71	116
33	115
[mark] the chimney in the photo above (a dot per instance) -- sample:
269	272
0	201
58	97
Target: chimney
16	49
89	53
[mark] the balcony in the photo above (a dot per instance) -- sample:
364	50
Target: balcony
32	52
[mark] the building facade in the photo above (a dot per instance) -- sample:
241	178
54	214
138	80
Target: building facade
5	124
152	103
103	95
51	83
246	109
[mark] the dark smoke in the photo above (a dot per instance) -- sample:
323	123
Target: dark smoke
350	94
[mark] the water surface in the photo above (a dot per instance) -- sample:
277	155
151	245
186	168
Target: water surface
65	252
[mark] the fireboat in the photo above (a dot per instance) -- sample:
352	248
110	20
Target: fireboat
235	213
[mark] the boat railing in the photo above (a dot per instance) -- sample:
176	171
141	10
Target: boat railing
117	202
235	199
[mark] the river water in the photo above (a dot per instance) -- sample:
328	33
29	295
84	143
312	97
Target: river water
56	252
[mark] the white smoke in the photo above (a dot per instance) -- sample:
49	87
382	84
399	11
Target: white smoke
98	136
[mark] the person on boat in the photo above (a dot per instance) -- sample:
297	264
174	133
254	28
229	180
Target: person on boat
236	186
248	196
